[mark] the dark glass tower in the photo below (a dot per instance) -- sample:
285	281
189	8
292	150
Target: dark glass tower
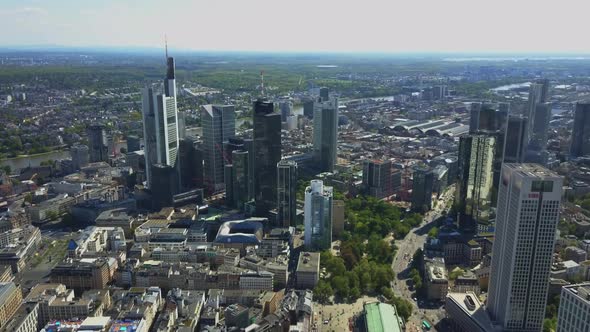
287	192
515	141
422	189
581	133
97	143
267	153
325	134
191	166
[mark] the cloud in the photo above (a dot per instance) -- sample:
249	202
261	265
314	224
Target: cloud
24	11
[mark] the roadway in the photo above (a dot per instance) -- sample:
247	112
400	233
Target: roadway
401	265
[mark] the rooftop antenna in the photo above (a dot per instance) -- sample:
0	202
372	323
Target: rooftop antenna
166	45
262	82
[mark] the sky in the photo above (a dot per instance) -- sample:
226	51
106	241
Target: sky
303	25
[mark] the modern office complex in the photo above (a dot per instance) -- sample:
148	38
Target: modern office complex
286	193
97	143
160	125
528	212
80	156
377	178
574	308
325	134
422	189
219	125
318	216
516	139
475	181
191	167
267	153
580	145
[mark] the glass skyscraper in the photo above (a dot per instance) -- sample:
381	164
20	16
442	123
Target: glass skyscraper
318	216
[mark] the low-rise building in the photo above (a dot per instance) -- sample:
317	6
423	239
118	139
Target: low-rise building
308	270
11	297
85	273
24	320
437	283
382	317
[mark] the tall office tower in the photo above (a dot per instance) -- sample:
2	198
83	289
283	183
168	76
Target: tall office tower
241	178
528	212
231	145
422	189
79	155
318	216
377	178
580	145
515	141
474	111
325	134
133	143
538	133
286	193
191	167
475	182
219	125
160	125
285	108
308	105
267	153
538	94
97	143
165	185
181	125
324	94
574	308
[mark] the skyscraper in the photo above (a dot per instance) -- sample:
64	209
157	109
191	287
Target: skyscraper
538	135
318	216
580	145
219	125
574	308
165	185
267	153
97	143
377	178
325	134
240	176
286	193
191	167
422	189
528	212
160	125
285	108
515	141
79	155
475	181
538	94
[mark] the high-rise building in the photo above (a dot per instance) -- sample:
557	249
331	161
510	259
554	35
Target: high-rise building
422	188
574	308
528	212
538	94
515	141
580	145
475	182
80	156
241	178
325	134
318	216
377	178
474	112
160	125
219	125
165	185
286	193
267	153
539	132
308	106
228	181
285	108
97	143
191	167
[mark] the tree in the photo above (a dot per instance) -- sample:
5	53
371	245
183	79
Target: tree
323	291
403	306
340	285
7	169
433	232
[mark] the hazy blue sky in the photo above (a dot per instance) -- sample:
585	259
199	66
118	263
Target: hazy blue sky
304	25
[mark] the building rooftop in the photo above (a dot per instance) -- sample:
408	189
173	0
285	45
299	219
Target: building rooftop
308	262
472	307
382	317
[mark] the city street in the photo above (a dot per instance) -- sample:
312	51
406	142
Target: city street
401	266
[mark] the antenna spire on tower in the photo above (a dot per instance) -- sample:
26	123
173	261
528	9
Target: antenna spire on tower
166	45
